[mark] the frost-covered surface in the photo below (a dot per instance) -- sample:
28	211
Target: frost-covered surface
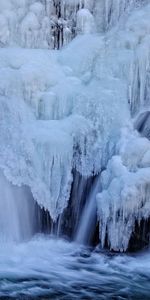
63	110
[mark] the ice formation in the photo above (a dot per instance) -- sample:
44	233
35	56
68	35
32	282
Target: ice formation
125	196
125	183
54	23
63	110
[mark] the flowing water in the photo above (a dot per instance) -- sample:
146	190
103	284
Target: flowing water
88	221
17	212
46	268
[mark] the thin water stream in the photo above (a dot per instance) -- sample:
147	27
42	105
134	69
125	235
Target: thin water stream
88	219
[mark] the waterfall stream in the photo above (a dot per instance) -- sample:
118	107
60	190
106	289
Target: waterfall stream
17	212
88	218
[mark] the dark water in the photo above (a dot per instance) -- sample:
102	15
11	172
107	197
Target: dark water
54	269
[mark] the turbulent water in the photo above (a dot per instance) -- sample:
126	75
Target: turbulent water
47	268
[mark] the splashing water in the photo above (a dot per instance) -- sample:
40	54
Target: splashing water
54	269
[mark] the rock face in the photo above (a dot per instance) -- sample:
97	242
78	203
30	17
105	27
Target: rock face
140	237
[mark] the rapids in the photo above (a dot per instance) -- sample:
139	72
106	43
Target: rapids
46	268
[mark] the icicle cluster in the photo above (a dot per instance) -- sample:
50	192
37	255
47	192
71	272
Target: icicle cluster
126	182
126	191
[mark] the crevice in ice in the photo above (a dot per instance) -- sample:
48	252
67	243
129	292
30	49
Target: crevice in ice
142	124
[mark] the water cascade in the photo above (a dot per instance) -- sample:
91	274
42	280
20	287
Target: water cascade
17	212
88	219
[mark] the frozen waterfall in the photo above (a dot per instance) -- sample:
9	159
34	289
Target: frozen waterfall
74	85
